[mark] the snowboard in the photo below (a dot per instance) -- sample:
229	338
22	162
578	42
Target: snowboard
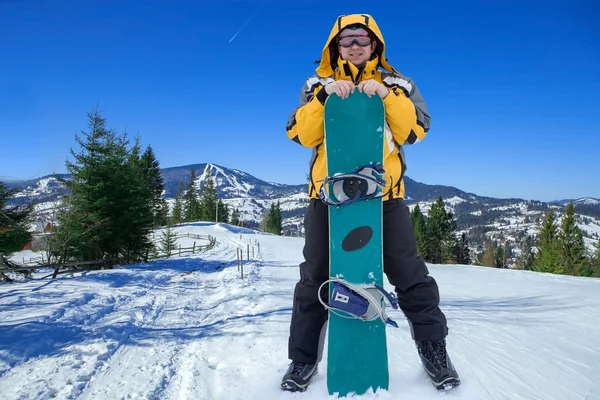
357	350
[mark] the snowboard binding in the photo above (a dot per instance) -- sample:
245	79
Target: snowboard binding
364	183
365	302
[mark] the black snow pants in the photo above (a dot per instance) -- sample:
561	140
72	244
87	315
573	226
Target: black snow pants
418	293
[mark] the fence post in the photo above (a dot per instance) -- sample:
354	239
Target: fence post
179	250
258	244
248	251
194	248
252	251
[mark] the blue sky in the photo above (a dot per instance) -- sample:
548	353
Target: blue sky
512	86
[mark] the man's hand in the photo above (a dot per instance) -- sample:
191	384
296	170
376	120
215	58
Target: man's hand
341	88
371	86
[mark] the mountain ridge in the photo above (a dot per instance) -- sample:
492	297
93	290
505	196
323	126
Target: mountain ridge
479	216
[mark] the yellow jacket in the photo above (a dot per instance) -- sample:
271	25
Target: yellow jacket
407	118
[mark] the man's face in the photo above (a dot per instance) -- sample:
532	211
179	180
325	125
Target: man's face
356	46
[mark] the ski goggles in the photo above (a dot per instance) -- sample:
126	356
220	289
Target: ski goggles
350	36
359	40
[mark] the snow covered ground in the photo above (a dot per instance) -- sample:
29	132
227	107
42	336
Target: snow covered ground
191	328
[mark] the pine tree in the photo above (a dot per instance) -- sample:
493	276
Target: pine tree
83	224
107	212
525	259
488	255
14	220
278	223
420	229
507	256
223	212
235	217
163	215
595	262
572	248
154	179
440	233
455	252
463	256
137	221
168	241
271	221
177	216
548	255
451	241
191	206
208	199
499	260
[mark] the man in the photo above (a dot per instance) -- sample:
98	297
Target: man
351	59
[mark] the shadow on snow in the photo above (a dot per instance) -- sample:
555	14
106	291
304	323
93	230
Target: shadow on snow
22	341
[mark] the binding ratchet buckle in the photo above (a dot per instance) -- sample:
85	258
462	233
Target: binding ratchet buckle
365	302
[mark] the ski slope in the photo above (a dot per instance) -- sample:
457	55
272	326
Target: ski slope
191	328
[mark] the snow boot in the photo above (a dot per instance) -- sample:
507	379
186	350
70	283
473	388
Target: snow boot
437	364
298	376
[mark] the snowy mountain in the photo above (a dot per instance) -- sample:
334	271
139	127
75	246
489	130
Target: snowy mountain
588	201
230	183
503	219
46	188
192	328
239	189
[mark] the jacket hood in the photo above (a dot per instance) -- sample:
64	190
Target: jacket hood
330	55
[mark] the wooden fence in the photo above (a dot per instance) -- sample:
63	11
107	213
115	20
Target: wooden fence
77	266
240	254
184	250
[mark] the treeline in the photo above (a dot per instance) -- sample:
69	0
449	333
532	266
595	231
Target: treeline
437	239
558	249
561	250
201	204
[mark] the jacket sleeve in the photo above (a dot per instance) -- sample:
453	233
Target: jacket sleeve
305	124
405	110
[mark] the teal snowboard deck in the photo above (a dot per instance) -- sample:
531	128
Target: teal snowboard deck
356	350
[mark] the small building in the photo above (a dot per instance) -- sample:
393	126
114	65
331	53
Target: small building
42	227
48	228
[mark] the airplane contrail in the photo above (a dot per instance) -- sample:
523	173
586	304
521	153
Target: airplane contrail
246	23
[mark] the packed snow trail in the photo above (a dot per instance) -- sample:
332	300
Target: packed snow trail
191	328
